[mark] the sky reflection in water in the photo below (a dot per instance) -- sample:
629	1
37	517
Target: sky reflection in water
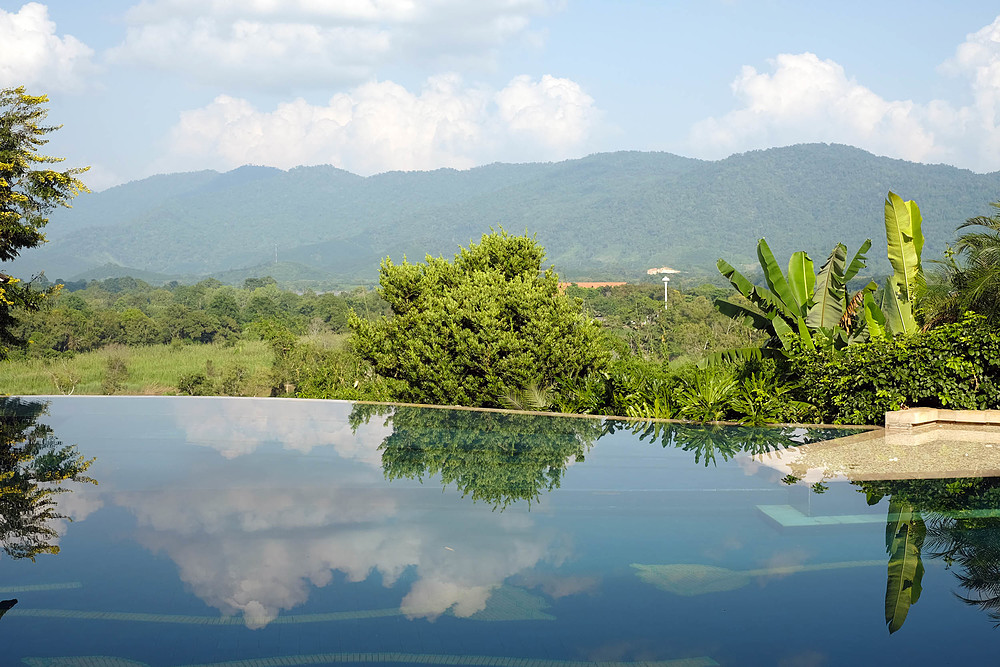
227	529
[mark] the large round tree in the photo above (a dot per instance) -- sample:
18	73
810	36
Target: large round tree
484	326
28	192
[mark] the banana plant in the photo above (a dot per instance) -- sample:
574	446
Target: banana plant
803	310
905	241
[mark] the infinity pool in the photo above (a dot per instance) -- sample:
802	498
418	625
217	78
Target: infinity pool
270	532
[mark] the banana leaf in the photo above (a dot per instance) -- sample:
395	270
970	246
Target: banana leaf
775	279
829	298
766	301
905	243
874	318
743	314
858	262
801	278
805	335
898	310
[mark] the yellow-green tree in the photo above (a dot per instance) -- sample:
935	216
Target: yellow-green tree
28	193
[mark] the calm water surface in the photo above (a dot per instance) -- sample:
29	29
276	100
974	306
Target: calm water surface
246	532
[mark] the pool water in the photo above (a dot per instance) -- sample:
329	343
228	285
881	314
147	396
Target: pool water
268	532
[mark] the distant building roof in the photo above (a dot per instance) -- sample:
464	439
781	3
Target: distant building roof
662	269
589	285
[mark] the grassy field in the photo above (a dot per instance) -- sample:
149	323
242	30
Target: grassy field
153	370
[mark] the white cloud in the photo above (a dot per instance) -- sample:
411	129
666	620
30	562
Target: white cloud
555	112
805	99
382	126
808	99
266	44
32	54
258	550
233	431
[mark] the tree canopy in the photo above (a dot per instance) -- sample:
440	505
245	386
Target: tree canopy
28	193
473	330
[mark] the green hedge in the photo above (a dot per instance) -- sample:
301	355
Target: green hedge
955	366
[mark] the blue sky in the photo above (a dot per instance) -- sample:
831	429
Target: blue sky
150	86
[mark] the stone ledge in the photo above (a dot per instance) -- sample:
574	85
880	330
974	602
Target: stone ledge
905	420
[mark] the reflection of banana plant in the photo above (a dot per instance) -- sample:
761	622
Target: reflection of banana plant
904	537
801	310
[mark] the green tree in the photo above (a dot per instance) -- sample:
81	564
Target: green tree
138	328
27	195
483	326
224	304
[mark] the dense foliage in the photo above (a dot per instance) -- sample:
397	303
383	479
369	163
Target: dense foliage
471	331
953	366
680	332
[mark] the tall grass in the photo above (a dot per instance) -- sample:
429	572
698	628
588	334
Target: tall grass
152	370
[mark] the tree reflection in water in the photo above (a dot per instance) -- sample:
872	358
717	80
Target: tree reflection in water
502	457
962	522
708	440
497	458
33	463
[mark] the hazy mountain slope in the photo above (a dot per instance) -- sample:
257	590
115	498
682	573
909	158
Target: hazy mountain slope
604	215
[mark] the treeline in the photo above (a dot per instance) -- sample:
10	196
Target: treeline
309	337
124	311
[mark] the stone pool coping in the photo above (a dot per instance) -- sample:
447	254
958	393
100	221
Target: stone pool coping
906	420
917	443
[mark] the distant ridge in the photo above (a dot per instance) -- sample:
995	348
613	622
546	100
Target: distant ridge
608	216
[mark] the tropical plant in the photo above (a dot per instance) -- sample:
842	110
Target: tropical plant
706	397
954	366
762	400
531	397
977	282
803	310
905	242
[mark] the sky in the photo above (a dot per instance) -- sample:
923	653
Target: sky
155	86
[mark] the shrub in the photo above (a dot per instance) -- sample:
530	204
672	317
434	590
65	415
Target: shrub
955	366
115	371
195	384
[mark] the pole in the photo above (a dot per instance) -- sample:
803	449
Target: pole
666	281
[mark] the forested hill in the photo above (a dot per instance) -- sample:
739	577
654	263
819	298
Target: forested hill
605	216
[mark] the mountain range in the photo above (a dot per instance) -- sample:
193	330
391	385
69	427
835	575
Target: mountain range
606	216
